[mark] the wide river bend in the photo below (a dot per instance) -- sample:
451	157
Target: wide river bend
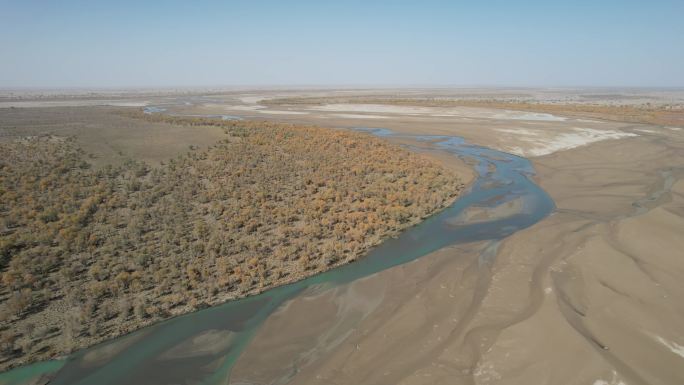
202	347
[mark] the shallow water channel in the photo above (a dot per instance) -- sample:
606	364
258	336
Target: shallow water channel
202	347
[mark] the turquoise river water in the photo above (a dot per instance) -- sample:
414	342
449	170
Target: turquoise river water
147	356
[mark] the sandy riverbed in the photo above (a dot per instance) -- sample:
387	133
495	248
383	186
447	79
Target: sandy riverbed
519	132
589	295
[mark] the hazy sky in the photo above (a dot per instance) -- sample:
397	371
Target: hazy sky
252	42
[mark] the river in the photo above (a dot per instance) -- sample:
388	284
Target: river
202	347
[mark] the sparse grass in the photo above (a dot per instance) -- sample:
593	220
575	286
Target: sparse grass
106	136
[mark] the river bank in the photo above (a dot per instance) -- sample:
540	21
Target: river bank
243	318
588	295
101	253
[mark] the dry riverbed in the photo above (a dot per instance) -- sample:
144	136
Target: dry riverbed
589	295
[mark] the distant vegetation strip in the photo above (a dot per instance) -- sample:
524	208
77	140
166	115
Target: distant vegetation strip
86	255
666	115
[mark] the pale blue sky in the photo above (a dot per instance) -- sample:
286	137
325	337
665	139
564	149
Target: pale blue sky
251	42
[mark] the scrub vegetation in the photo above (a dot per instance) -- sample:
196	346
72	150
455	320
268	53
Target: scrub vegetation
90	253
